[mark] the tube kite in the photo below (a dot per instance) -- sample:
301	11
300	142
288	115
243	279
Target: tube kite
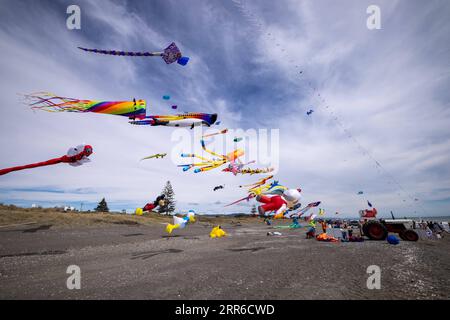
52	103
75	157
170	54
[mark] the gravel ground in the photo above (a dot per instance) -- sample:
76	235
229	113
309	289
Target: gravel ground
142	262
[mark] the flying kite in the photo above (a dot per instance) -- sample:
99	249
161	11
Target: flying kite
215	133
169	55
52	103
302	211
218	187
261	187
255	171
236	167
174	107
360	192
309	112
217	123
181	222
209	164
158	155
166	97
75	157
178	120
236	139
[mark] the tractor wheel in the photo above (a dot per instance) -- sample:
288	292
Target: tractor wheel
364	229
409	235
376	231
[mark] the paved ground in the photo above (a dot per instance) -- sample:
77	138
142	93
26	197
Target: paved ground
141	262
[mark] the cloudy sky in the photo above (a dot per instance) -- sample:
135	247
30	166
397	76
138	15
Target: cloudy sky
380	98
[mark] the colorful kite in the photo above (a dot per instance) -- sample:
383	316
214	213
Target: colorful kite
217	232
215	133
169	55
52	103
75	157
181	222
178	120
158	155
302	211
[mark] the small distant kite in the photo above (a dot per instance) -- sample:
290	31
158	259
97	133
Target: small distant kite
360	192
156	156
237	139
309	112
215	133
166	97
174	107
369	204
169	55
219	187
217	123
75	157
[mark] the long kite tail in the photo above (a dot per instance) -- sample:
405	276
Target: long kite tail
123	53
33	165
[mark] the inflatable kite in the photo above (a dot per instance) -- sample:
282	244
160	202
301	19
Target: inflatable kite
181	222
278	203
217	232
215	133
178	120
169	55
75	157
302	211
158	155
250	171
209	164
52	103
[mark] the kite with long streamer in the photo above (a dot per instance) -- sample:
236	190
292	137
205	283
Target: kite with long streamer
52	103
170	54
75	157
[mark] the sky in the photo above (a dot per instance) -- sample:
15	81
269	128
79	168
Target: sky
380	99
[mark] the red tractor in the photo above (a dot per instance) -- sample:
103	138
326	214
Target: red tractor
378	229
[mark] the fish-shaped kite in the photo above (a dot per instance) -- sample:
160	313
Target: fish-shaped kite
170	54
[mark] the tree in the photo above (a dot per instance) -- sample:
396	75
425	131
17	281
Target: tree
102	206
169	200
253	212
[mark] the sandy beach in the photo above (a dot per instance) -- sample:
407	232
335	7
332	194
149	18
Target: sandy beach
129	257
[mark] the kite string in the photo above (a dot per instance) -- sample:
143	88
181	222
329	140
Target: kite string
258	25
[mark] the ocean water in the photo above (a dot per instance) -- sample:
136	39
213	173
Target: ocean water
435	219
